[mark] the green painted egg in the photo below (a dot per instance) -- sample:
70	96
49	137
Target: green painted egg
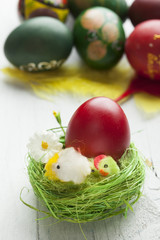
39	44
99	37
118	6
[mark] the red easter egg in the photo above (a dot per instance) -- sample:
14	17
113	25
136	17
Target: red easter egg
142	10
99	126
143	49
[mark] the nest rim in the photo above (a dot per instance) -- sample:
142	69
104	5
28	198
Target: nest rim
91	200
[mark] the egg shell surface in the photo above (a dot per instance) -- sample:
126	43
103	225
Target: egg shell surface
142	10
99	126
143	49
41	43
99	37
118	6
33	8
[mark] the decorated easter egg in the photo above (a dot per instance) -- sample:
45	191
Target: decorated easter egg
39	44
99	37
118	6
99	126
143	49
142	10
34	8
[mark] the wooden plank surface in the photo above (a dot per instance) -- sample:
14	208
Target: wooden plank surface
21	114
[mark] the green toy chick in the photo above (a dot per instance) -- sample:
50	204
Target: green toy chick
106	165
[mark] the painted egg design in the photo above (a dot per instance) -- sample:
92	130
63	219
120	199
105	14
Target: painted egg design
99	37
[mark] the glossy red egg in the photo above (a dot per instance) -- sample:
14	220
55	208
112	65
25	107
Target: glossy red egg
143	49
99	126
142	10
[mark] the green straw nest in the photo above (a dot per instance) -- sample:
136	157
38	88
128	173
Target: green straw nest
96	198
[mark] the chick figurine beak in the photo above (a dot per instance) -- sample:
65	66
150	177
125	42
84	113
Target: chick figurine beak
106	165
50	174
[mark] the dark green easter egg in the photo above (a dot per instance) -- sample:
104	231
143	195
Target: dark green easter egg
99	37
39	44
118	6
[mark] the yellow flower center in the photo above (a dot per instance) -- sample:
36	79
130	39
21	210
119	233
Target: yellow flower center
44	145
54	113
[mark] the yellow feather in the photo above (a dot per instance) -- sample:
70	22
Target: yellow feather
76	80
83	81
150	104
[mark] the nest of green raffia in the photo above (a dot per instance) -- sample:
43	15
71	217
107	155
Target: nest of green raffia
96	198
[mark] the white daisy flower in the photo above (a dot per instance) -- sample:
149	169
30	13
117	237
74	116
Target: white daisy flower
43	145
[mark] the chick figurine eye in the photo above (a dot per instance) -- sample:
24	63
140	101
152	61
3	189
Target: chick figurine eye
94	171
58	167
106	165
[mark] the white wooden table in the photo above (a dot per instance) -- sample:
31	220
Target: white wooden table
21	114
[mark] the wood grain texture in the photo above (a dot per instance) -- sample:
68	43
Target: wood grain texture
21	114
